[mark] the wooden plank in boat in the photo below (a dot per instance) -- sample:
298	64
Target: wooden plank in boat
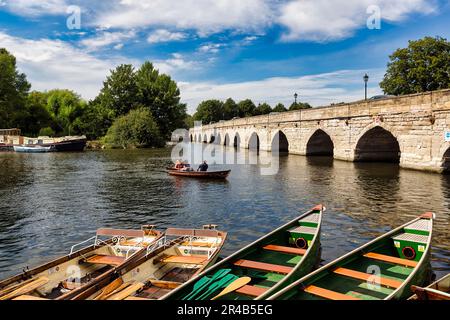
390	259
263	266
284	249
185	259
104	259
390	283
328	294
28	297
165	284
137	298
251	291
128	291
27	288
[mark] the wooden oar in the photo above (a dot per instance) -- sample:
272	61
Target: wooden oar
205	281
27	288
133	288
109	288
14	287
235	285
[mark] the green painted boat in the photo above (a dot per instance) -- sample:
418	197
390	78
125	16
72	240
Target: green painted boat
272	262
382	269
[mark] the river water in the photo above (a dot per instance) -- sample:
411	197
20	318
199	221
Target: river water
49	202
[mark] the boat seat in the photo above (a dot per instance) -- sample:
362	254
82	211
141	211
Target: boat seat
263	266
104	259
197	244
390	259
283	249
251	291
328	294
28	297
185	259
390	283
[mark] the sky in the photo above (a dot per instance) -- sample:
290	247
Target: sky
265	50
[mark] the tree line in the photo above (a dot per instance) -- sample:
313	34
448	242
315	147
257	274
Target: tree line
141	107
215	110
135	107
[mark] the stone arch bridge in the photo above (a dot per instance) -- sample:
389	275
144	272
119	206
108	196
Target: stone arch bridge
410	130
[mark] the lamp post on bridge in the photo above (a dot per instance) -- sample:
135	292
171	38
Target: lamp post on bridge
366	79
295	98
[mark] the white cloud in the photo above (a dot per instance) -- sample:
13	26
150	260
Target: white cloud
163	35
211	47
175	63
319	89
35	7
323	20
204	16
51	64
105	39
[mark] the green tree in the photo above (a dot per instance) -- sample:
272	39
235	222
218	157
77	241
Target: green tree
279	108
120	91
37	116
299	106
423	66
188	121
65	108
246	108
161	95
209	111
263	108
14	89
95	120
230	109
137	129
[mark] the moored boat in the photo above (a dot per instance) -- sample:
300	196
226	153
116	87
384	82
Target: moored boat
438	290
267	265
68	144
177	257
78	270
382	269
33	149
199	174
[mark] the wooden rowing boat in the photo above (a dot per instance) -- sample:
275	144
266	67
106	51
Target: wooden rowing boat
177	257
33	149
199	174
271	263
382	269
79	269
438	290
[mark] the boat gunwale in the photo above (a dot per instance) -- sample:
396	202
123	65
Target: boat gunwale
244	250
297	267
358	250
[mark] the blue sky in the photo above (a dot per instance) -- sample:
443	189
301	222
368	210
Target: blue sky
265	50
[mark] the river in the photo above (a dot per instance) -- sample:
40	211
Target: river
48	202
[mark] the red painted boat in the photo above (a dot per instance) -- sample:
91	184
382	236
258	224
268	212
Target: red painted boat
199	174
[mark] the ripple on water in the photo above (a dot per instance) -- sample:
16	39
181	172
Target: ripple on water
50	202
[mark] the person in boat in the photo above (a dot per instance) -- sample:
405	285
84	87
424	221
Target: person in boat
187	167
203	167
178	165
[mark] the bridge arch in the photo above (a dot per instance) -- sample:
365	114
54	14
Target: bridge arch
320	144
377	144
253	142
226	140
218	139
280	143
205	138
237	140
191	138
446	161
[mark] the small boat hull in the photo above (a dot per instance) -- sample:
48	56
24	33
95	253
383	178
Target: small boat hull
272	262
200	174
383	269
438	290
34	149
76	145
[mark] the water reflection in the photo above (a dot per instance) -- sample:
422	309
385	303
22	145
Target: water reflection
49	202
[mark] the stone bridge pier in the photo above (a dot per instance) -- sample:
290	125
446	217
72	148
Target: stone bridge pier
412	130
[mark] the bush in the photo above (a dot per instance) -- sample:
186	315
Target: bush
46	132
137	129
